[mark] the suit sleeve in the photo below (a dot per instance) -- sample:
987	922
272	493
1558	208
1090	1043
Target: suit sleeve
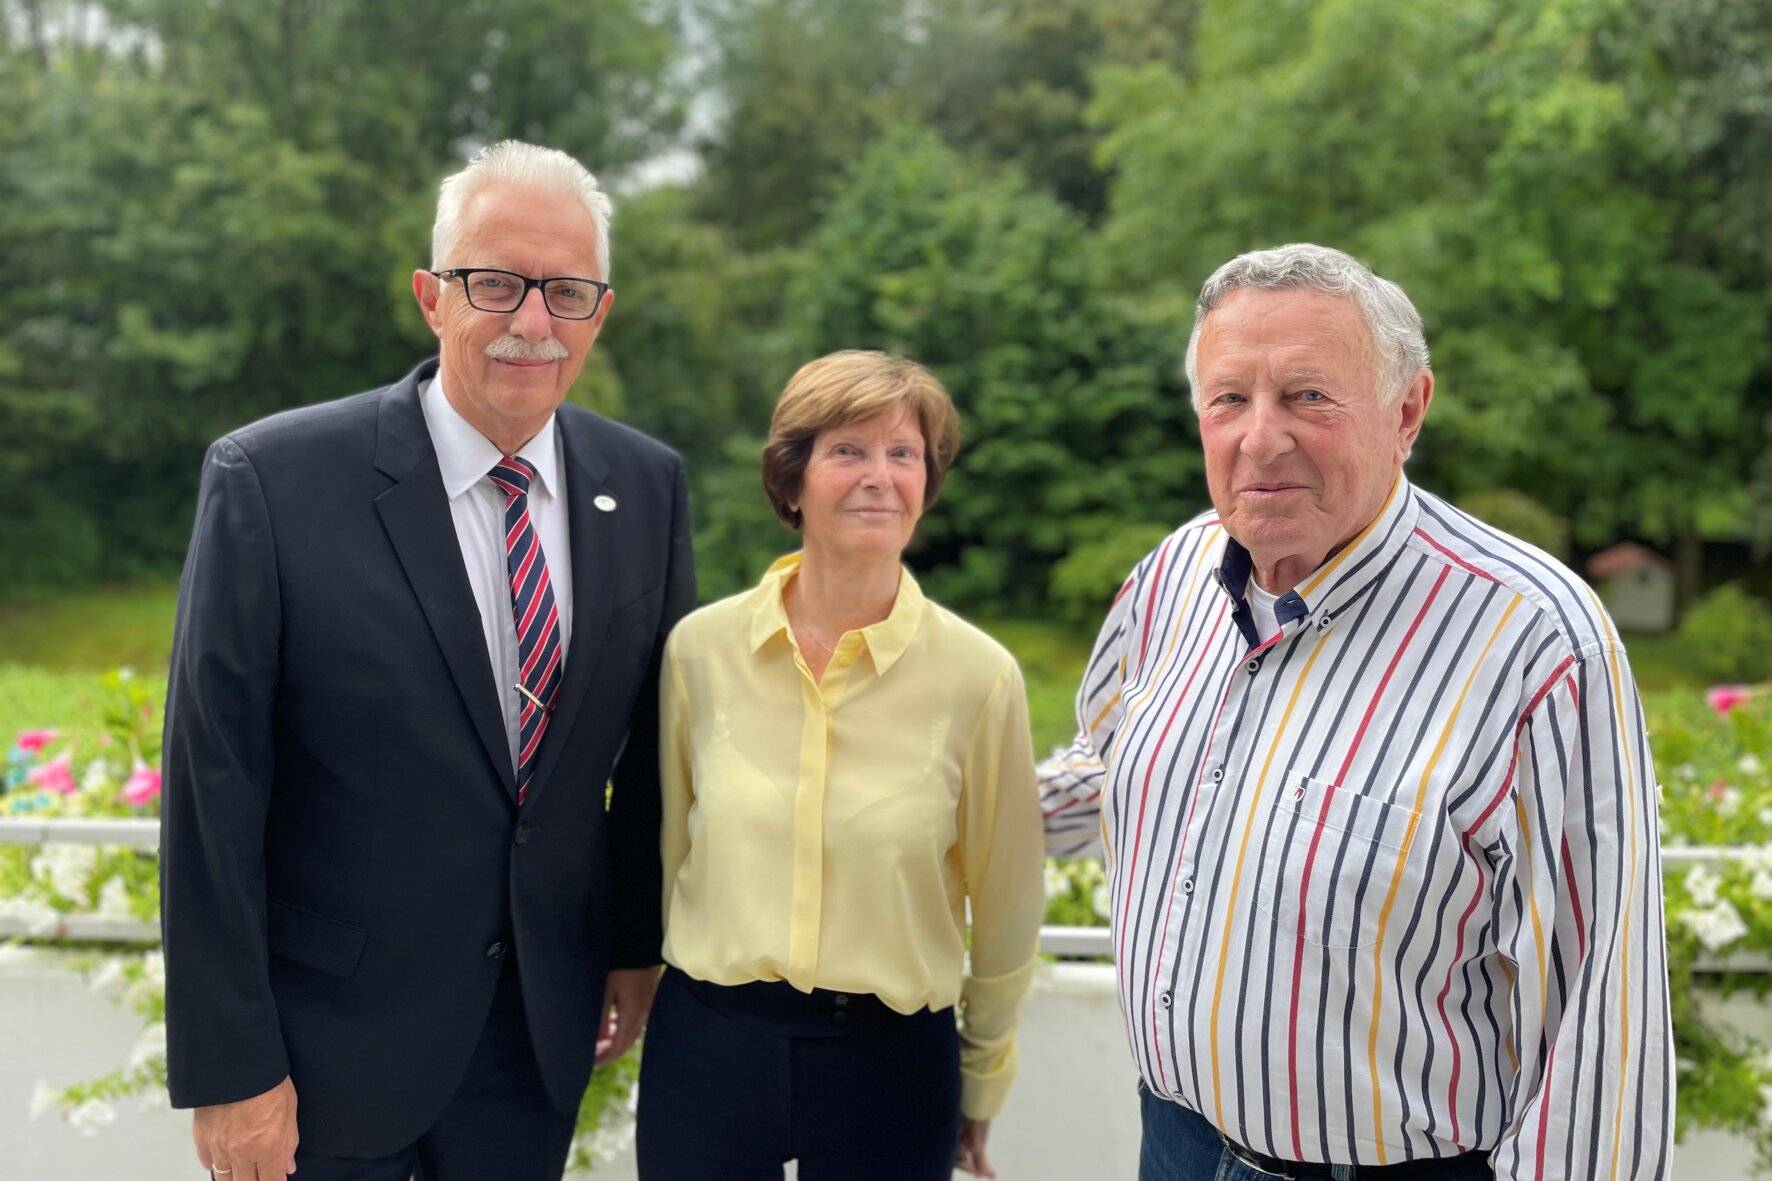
634	810
223	1038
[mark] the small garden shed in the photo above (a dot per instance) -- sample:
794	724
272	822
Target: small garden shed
1637	585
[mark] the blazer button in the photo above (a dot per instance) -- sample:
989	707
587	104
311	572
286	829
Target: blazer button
522	834
494	950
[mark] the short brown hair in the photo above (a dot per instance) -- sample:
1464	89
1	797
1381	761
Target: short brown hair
845	387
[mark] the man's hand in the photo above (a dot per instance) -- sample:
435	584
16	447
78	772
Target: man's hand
627	998
970	1157
251	1140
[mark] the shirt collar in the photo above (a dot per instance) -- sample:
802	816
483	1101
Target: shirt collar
1322	591
464	455
885	641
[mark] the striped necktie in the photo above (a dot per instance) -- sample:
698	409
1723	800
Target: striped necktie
536	616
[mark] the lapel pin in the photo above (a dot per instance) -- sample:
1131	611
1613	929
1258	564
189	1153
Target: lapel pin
605	502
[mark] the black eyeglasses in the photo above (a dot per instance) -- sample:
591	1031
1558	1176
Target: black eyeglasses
566	297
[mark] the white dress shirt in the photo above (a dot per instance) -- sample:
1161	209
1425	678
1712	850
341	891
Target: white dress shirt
465	456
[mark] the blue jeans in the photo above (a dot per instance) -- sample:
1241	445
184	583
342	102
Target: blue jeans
1179	1145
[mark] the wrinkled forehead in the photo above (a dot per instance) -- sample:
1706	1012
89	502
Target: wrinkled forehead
534	231
1297	332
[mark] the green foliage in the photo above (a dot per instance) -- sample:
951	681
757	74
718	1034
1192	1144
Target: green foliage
199	236
1518	514
1557	183
1727	635
1084	582
1071	410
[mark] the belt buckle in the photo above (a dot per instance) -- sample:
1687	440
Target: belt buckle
1237	1150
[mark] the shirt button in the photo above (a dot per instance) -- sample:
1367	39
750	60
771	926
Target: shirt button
494	950
1163	1000
1324	620
1218	774
1187	885
1254	666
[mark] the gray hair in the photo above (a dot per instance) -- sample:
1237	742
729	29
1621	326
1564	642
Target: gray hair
518	163
1399	348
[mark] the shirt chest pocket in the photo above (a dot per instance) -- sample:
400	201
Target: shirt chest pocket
1332	862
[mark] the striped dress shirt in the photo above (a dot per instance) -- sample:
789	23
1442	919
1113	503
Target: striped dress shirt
1385	882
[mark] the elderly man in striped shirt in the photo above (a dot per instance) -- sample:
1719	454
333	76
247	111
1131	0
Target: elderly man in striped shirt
1372	782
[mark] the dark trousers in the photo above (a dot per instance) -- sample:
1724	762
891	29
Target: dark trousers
735	1082
500	1122
1181	1145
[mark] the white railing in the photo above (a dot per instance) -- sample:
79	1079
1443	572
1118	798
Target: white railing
145	834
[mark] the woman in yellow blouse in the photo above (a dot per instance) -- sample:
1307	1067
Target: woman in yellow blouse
846	768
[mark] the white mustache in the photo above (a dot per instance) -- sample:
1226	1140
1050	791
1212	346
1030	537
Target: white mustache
510	348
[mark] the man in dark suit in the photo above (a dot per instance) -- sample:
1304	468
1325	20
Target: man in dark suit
418	639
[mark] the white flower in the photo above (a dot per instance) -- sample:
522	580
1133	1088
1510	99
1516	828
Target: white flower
1728	801
67	868
1749	764
1716	927
152	982
44	1099
1702	883
1761	886
35	915
1765	817
98	776
1686	771
1102	901
149	1047
108	975
1056	882
91	1116
614	1137
113	900
156	1099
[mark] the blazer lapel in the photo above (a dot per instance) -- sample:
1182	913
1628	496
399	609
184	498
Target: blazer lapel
592	531
415	513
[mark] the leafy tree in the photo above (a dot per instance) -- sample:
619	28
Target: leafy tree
1075	423
1546	178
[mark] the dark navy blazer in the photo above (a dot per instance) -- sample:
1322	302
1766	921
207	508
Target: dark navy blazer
344	866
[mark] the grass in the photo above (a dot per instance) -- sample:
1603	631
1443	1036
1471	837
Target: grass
127	626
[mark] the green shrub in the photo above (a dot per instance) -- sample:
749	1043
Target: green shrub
1084	581
1518	514
1727	635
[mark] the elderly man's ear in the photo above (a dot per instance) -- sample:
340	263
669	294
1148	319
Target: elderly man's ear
1412	412
426	289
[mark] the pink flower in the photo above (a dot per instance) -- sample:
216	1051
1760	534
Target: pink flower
33	741
56	775
142	786
1724	698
